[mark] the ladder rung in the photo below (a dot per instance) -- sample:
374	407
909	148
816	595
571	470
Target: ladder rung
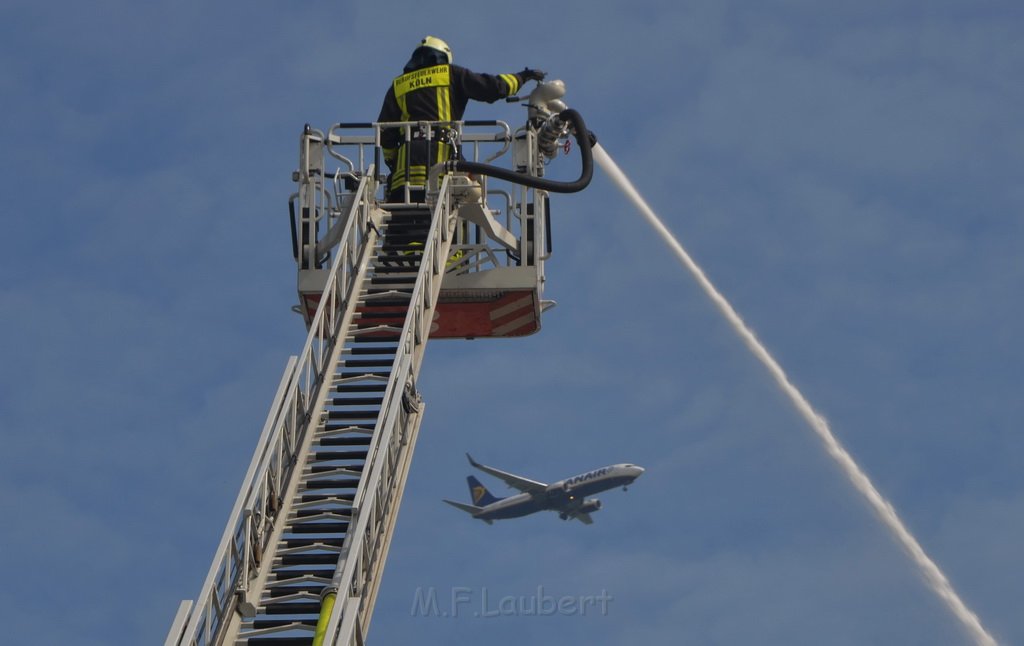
310	542
338	527
347	440
369	363
377	338
285	590
357	401
350	428
309	559
398	263
393	304
340	455
344	483
400	310
370	374
309	513
314	513
367	351
361	388
320	497
321	469
410	269
353	414
260	624
292	608
373	292
282	577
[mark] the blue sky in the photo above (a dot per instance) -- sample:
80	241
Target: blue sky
849	178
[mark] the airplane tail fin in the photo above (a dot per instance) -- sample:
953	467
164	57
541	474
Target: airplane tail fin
479	494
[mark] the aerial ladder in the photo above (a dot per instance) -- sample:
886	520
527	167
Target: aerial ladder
301	558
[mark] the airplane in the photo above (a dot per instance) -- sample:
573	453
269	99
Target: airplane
568	497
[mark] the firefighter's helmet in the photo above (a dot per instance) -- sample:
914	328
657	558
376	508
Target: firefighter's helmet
439	45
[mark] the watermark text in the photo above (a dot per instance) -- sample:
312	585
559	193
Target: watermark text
481	602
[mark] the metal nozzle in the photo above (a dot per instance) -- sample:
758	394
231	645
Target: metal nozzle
545	99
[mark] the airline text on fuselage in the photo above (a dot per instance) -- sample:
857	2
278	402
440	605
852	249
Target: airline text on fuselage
586	477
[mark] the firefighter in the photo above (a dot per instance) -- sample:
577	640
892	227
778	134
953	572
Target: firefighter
432	89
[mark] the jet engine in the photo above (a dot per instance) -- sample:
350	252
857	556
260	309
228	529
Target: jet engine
590	505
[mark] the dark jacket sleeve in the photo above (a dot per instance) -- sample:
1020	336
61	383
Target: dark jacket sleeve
485	87
390	137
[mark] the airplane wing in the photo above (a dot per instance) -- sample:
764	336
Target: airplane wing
517	482
584	518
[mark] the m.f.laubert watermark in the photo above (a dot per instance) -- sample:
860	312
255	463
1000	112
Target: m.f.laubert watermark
483	603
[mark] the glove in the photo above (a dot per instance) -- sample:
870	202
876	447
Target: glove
532	75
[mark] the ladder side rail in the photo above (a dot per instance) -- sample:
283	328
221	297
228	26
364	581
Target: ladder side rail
359	564
402	418
404	443
178	625
351	264
340	229
340	289
208	611
276	451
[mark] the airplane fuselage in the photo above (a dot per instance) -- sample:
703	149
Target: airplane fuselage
565	495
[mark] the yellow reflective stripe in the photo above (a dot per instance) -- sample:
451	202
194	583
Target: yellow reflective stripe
402	107
512	81
442	153
417	177
444	104
414	248
454	258
402	104
415	173
438	75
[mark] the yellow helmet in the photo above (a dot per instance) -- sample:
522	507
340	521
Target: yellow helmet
439	45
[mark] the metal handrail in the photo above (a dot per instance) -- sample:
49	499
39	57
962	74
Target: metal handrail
289	420
353	575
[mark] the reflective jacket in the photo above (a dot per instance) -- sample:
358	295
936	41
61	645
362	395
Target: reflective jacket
437	93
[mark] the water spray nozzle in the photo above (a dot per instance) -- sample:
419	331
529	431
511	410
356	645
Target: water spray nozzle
546	99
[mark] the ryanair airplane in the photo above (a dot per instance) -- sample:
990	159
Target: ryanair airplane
568	497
